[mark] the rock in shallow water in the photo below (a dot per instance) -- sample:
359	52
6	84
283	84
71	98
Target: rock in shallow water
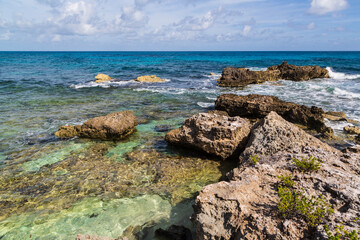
246	207
152	78
258	106
113	126
214	134
102	78
352	129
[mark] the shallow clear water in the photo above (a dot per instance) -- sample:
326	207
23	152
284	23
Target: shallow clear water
52	189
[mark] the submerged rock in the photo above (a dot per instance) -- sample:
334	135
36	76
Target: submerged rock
93	237
174	232
240	77
117	125
258	106
102	78
246	207
152	78
352	129
214	134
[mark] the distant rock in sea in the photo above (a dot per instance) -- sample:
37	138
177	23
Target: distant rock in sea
102	78
113	126
241	77
152	78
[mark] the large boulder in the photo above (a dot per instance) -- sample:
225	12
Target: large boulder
240	77
258	106
212	133
102	78
246	206
113	126
299	73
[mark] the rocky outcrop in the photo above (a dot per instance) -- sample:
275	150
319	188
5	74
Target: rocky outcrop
258	106
212	133
357	139
352	129
246	206
102	78
152	78
352	149
113	126
338	116
299	73
240	77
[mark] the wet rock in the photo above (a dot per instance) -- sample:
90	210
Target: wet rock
240	77
258	106
246	207
152	78
352	149
357	139
212	74
102	78
113	126
299	73
214	134
352	129
163	128
174	232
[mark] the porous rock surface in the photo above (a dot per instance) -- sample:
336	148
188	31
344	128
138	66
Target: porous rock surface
240	77
212	133
258	106
245	207
113	126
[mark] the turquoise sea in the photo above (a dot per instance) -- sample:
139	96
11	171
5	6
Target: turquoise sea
55	189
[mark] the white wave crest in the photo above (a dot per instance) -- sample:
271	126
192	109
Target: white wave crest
257	68
346	94
340	75
102	84
205	104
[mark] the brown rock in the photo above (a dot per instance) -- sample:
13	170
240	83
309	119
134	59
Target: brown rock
246	206
352	149
352	129
240	77
214	134
152	78
102	78
299	73
258	106
68	131
113	126
357	139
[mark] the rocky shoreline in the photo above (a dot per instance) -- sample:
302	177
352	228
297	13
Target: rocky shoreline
288	184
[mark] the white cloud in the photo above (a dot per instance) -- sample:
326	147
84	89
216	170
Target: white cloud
311	26
5	36
246	30
321	7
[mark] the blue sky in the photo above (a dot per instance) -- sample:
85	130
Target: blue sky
127	25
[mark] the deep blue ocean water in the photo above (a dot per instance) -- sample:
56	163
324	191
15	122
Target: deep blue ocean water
41	91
